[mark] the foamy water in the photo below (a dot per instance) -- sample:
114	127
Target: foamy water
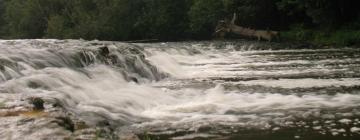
184	87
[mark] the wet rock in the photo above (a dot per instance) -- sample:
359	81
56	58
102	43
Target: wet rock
204	129
104	51
135	50
57	104
134	79
113	59
80	125
33	85
103	123
105	133
38	103
26	120
65	122
95	43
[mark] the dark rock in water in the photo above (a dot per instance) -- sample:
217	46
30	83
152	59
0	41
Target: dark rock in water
134	79
25	120
104	51
33	85
57	103
66	122
80	125
38	103
204	129
106	133
103	123
95	43
113	59
135	51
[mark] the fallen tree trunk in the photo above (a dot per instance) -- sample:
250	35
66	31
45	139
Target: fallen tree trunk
225	27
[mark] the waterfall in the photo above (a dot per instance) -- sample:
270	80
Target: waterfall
204	89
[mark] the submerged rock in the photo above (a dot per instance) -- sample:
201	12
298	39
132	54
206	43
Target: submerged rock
66	122
38	103
80	125
104	51
33	85
134	79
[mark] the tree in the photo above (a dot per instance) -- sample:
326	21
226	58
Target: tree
2	21
28	19
327	13
259	14
204	15
164	19
85	19
122	18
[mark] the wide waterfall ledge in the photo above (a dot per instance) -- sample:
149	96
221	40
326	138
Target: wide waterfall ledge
75	89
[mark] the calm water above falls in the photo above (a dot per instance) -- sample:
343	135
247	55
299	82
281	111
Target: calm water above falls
192	90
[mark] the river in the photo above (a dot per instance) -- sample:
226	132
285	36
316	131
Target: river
179	90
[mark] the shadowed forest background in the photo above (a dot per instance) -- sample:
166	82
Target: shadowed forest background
326	22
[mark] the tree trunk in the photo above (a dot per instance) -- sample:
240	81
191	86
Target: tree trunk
224	27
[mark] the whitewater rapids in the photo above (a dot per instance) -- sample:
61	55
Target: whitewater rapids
182	90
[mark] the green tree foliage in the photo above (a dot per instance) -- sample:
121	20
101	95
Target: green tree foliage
25	19
175	19
204	15
261	14
322	12
164	19
2	11
28	19
80	19
123	16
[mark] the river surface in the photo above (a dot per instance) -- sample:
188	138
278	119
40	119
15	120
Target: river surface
184	90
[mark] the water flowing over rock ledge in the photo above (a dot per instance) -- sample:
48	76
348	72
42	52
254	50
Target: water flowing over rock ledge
177	90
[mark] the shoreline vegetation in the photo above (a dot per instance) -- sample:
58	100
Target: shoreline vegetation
316	22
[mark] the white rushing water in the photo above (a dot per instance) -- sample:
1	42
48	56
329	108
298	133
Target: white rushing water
181	87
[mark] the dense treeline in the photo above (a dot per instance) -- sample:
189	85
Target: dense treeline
323	21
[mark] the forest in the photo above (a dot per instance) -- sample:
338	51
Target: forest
326	22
